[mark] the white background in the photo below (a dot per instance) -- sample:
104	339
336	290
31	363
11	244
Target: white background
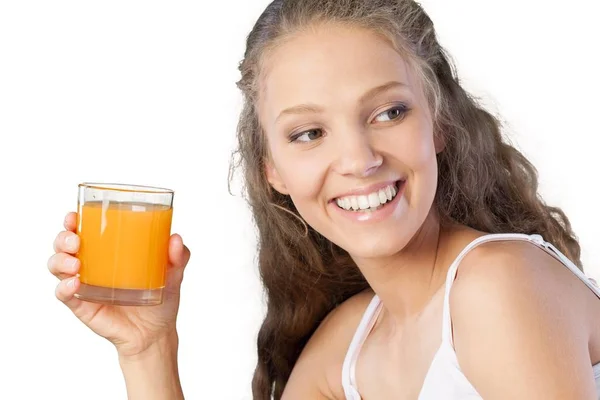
144	92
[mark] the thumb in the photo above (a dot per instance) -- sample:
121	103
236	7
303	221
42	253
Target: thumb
179	255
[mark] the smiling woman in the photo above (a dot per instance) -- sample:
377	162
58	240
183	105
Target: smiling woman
356	125
373	176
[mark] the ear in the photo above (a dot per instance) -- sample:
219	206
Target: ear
274	178
439	142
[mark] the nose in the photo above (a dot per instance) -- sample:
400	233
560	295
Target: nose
356	155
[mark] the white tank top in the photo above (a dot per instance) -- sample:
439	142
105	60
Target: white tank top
445	380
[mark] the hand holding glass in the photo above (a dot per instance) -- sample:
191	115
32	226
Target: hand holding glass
124	232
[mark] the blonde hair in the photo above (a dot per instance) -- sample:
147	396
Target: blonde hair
484	182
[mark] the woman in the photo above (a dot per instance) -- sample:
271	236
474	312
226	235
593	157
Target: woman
373	176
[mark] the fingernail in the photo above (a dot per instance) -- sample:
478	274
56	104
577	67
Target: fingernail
71	282
70	241
74	263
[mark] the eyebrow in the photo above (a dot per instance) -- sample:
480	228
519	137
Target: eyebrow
310	108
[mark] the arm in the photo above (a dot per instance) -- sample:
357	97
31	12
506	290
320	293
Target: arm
317	374
153	374
519	326
308	379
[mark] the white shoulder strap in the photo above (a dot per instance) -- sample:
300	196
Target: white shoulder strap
536	239
364	328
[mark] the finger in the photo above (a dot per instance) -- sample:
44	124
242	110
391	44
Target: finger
179	254
70	222
66	242
63	265
65	292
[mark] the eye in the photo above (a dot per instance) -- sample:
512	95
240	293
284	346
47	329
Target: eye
392	114
307	136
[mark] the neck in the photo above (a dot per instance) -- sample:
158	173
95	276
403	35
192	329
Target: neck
406	281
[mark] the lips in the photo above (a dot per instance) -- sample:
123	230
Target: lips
381	211
369	201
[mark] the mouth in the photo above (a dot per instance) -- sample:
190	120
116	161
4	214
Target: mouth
370	202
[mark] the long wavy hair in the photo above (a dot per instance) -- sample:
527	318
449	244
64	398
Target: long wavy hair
483	183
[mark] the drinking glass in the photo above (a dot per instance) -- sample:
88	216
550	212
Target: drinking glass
124	232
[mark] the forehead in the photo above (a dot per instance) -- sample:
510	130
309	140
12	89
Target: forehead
327	64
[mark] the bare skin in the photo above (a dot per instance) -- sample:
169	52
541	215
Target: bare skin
524	327
145	337
347	137
497	340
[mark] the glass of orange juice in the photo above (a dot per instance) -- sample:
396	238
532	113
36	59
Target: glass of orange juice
124	232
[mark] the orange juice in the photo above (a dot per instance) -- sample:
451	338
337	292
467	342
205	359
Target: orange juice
123	245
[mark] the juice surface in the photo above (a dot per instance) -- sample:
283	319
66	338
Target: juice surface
123	245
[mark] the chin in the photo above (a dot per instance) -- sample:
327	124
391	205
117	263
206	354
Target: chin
372	245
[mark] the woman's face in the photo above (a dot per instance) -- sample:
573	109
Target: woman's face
350	138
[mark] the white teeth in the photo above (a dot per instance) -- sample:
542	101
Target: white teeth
347	204
344	203
382	197
363	202
368	202
388	192
374	200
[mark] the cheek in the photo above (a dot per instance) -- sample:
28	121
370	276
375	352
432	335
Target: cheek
414	151
302	174
413	146
423	155
304	180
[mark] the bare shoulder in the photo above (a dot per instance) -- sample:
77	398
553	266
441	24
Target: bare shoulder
519	316
320	363
515	268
